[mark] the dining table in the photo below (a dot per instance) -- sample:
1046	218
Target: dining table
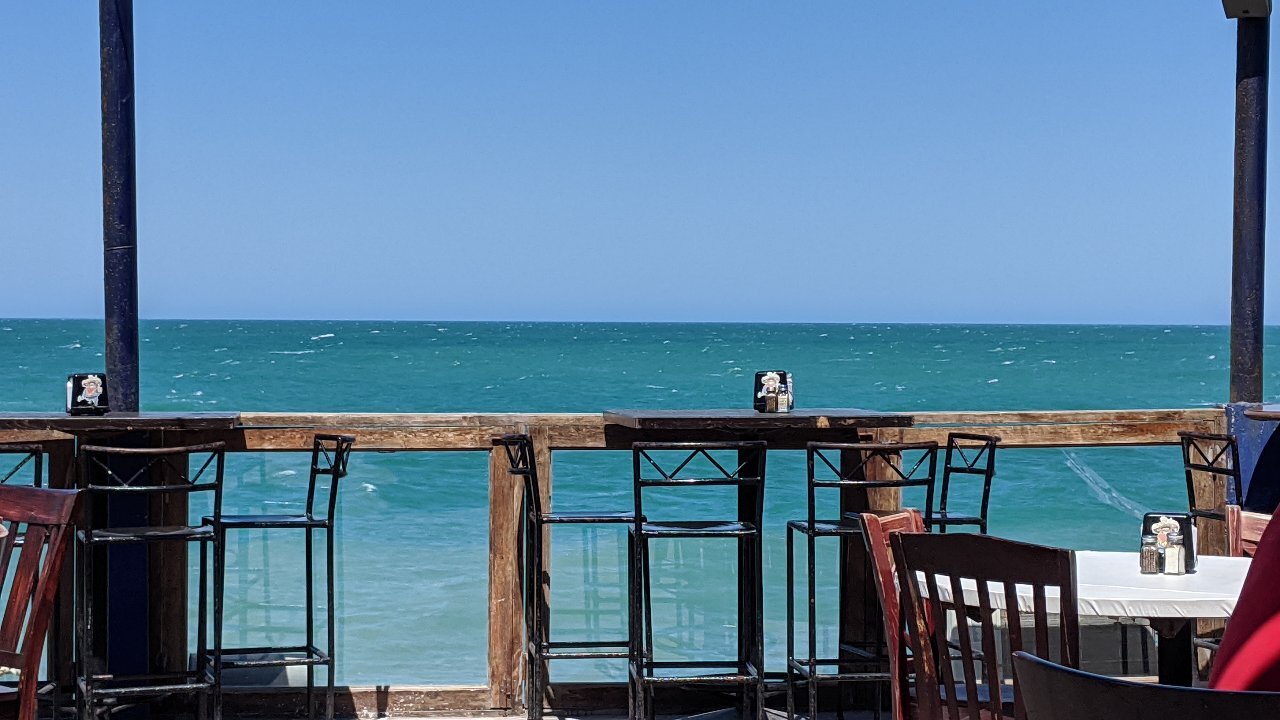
1109	585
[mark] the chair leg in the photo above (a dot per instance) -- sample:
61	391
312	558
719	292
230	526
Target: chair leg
811	625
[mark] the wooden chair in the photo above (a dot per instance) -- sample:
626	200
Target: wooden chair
877	531
42	519
1016	578
1053	692
1244	529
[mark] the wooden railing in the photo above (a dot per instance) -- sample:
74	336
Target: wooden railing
551	432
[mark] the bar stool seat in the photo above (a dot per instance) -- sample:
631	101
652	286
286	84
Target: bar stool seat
698	528
184	533
268	522
943	518
822	528
586	517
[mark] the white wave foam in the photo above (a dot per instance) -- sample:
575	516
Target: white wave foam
321	337
290	352
1102	489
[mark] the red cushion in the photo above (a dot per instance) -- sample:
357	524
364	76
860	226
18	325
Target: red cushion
1249	657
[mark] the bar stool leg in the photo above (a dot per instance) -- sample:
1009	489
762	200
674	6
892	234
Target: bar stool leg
202	633
219	587
84	631
537	678
791	623
311	623
333	662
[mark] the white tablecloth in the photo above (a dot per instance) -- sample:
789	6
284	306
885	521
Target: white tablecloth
1108	584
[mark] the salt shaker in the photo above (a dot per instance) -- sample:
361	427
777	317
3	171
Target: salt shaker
1175	556
1149	557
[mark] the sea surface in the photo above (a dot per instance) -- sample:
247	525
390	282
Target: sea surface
412	542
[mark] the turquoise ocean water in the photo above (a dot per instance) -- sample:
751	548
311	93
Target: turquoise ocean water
412	554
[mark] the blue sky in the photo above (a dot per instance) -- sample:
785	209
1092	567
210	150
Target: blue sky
818	161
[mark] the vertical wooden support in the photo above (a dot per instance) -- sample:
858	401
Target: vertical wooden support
860	615
62	628
168	576
541	438
506	605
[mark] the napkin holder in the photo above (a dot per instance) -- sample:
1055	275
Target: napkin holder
1186	526
774	392
87	394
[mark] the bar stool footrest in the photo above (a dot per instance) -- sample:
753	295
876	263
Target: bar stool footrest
311	655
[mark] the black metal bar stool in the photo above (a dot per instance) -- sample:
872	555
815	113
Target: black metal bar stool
536	581
329	456
686	466
158	475
1216	455
828	467
967	454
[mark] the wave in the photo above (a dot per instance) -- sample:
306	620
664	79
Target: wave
1102	489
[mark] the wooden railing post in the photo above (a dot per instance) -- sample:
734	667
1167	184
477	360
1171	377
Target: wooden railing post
506	604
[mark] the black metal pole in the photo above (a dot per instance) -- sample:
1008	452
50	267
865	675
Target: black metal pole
119	203
1249	220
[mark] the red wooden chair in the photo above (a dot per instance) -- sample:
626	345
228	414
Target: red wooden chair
40	523
877	530
1244	530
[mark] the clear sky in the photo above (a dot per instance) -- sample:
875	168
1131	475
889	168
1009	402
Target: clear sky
815	161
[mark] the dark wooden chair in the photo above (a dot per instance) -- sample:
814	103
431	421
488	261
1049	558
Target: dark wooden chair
536	581
1216	455
685	468
877	531
39	523
830	469
1053	692
967	455
1244	530
961	581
